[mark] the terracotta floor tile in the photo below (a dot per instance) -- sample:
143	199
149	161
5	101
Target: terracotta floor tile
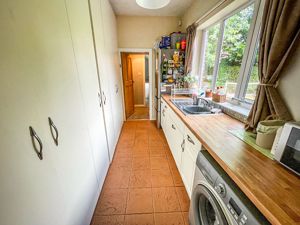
141	163
117	178
112	201
109	220
156	143
165	200
126	143
122	163
159	163
158	151
139	219
141	151
140	178
161	178
121	154
183	198
141	142
129	137
185	216
139	201
155	138
169	154
124	152
174	218
176	177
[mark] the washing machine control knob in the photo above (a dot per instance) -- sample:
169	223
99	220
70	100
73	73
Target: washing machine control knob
221	190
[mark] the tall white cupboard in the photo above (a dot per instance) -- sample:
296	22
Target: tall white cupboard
49	69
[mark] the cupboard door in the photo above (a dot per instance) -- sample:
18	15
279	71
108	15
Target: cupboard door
175	142
104	75
79	17
187	170
30	192
59	97
112	66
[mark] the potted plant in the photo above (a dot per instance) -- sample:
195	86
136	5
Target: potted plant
190	81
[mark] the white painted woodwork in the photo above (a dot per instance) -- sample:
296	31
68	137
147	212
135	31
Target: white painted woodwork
106	51
184	149
48	68
80	26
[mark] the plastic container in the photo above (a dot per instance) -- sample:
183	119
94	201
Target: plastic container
266	131
183	44
165	42
177	37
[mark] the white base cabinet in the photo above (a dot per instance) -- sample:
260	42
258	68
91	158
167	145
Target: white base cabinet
183	144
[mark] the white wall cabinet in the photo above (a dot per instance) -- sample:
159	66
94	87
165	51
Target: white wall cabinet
104	27
183	144
48	68
82	37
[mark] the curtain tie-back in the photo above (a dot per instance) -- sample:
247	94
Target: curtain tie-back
270	85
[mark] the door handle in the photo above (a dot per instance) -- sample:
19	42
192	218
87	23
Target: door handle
53	127
100	99
182	145
173	127
190	139
104	101
34	136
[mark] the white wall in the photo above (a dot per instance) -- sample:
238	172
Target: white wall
143	31
197	9
290	83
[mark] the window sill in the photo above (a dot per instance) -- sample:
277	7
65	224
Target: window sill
236	111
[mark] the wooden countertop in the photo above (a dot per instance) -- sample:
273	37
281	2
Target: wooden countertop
273	189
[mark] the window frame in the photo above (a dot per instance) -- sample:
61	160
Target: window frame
249	51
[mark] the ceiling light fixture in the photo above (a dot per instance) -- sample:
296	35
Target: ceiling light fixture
152	4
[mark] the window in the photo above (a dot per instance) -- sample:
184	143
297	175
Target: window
230	53
253	78
212	38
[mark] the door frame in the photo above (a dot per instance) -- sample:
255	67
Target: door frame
151	76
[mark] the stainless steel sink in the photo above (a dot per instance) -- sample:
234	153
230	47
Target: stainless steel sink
194	109
186	106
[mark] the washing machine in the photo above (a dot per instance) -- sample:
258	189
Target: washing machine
216	199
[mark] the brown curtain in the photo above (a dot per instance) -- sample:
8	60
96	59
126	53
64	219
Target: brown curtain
279	34
191	34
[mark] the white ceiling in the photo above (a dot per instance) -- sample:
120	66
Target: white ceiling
131	8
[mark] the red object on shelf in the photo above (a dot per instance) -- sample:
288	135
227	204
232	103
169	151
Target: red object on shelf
183	44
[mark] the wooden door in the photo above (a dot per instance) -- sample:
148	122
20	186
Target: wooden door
128	84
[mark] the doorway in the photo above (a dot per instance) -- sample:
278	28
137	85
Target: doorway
136	85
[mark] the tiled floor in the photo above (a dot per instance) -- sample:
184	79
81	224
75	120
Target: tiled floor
143	186
140	113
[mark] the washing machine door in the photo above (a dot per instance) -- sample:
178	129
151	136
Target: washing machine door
206	208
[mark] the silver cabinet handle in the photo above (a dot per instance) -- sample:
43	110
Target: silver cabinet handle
190	139
182	145
34	136
100	99
117	89
53	127
104	101
163	112
173	127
